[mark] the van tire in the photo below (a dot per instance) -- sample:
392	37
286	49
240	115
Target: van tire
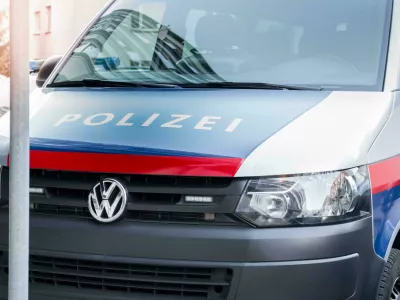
390	273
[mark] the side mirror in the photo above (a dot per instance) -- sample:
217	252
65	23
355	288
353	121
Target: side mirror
46	69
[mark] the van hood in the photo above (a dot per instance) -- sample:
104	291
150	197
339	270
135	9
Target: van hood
194	132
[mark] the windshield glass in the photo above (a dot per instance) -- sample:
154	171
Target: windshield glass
340	44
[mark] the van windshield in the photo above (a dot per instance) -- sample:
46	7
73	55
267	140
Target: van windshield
327	44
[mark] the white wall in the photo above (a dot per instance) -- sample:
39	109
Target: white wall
69	18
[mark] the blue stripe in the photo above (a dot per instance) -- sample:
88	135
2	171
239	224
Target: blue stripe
386	212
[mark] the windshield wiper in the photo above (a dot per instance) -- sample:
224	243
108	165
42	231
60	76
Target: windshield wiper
246	85
212	85
107	83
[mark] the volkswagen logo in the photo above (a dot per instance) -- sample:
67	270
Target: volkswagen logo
108	200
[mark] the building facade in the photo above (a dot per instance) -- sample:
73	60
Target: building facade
55	24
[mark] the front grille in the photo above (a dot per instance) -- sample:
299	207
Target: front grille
129	279
151	198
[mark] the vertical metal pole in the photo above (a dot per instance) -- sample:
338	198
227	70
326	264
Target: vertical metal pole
19	152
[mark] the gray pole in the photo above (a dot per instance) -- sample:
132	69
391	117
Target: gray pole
19	152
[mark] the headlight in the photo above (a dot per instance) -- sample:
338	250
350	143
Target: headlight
307	199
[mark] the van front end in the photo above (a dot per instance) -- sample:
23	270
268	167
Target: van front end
216	150
146	223
187	249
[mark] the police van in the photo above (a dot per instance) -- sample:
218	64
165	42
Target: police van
217	150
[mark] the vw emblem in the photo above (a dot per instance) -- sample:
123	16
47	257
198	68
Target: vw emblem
107	200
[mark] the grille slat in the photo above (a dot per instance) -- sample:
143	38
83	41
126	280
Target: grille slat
134	215
80	180
62	202
181	282
150	287
55	183
137	188
123	268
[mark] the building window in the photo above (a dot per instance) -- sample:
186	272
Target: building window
48	19
37	23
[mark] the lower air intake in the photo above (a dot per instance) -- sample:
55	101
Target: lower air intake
131	279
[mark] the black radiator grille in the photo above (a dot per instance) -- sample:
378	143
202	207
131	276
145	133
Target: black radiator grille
151	198
201	283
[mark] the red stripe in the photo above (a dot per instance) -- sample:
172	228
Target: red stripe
385	174
134	164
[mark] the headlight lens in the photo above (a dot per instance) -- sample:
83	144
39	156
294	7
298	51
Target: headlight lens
307	199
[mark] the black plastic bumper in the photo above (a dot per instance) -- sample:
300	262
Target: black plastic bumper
334	262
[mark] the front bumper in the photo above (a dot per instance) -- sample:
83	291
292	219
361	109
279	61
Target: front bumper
334	262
